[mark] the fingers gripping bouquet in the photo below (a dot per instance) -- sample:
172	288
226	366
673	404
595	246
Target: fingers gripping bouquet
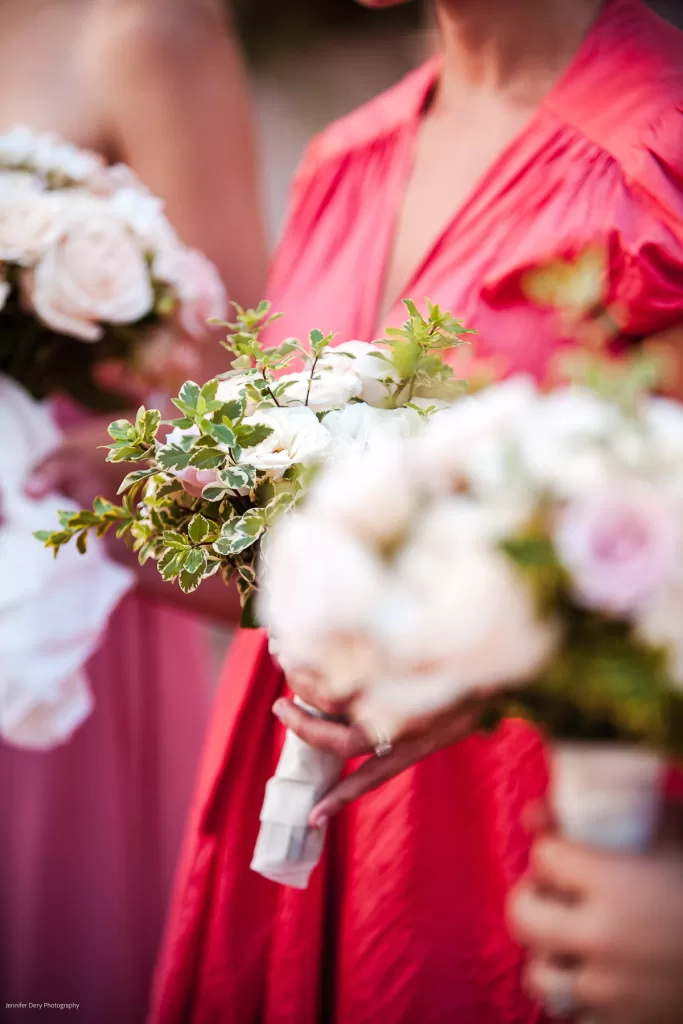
201	499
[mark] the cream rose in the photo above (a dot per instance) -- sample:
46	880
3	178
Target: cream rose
93	273
30	220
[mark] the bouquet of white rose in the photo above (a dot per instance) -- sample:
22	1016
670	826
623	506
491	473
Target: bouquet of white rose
527	545
95	287
242	453
92	274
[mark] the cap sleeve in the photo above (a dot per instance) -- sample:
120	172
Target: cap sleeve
648	264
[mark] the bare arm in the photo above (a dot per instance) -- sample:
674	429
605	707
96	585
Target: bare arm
172	89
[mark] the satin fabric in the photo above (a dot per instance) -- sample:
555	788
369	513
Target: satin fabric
404	921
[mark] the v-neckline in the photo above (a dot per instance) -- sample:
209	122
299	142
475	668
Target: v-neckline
386	307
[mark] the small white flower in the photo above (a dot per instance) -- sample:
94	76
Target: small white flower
297	438
93	273
363	360
47	153
359	425
372	493
328	388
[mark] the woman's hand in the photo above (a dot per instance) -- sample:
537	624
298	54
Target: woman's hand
605	932
357	740
77	468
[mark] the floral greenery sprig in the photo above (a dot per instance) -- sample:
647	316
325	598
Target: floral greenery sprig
246	444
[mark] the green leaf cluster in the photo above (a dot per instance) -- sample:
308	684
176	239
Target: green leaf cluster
415	352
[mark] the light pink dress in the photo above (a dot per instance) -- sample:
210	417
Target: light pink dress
89	832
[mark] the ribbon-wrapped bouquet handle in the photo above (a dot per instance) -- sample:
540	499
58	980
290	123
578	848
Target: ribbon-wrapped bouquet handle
288	849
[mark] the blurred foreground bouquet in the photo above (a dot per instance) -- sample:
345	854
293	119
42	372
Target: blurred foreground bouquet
92	275
526	549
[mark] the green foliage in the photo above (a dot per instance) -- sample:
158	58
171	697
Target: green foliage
192	537
414	352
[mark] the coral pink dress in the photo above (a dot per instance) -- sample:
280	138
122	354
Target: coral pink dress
404	920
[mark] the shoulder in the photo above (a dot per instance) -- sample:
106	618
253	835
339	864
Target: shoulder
625	91
124	38
369	124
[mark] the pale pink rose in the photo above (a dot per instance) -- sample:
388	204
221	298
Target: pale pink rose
193	480
618	545
198	286
93	273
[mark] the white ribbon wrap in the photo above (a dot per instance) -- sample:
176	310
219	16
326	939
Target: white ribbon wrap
607	795
52	611
288	849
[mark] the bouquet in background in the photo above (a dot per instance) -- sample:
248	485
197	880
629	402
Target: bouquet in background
245	449
95	287
92	276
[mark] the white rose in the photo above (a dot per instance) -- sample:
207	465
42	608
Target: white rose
297	437
198	286
329	388
93	273
359	425
459	606
143	212
468	444
362	360
5	287
564	441
319	586
372	493
660	623
30	220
